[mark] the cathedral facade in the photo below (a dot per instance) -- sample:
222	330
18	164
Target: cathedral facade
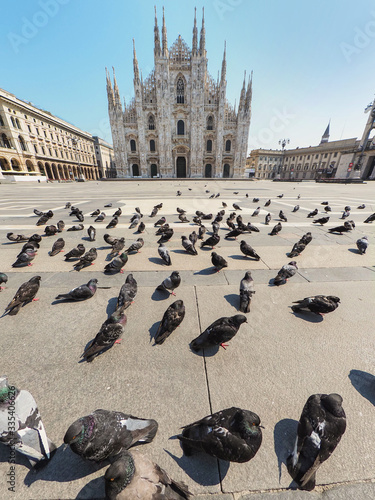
179	123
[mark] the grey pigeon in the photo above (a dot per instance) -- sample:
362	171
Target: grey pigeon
320	429
82	292
233	435
33	245
345	214
117	213
282	216
297	249
80	216
313	213
127	293
251	227
104	434
193	237
92	233
362	244
218	261
86	260
341	229
211	241
42	220
100	217
171	283
268	203
188	246
16	237
26	293
306	238
109	205
108	335
276	229
370	218
220	331
230	224
68	204
321	221
296	208
236	207
138	210
183	218
133	475
21	425
117	247
285	273
57	247
25	258
76	252
77	227
162	229
3	279
267	219
95	213
256	212
172	318
246	292
136	246
180	211
50	230
215	227
318	304
154	212
362	206
141	227
117	264
60	226
109	239
248	250
201	232
35	237
160	222
164	254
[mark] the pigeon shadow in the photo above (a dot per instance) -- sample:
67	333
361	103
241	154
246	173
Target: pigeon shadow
94	489
204	249
158	295
86	238
364	383
284	436
156	260
111	306
354	250
202	468
65	466
207	271
233	299
20	458
308	316
208	352
153	330
181	251
239	257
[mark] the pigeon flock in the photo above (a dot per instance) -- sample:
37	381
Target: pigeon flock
232	434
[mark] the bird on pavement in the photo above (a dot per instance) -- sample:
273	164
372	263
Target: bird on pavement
78	227
138	210
215	227
362	206
236	207
296	208
276	229
201	232
211	241
109	239
341	229
166	236
193	237
37	212
246	292
345	214
100	217
268	203
218	262
92	233
141	227
76	252
164	254
313	213
286	272
267	219
127	293
234	233
104	434
25	258
171	283
362	244
251	227
297	249
60	226
220	331
318	304
320	429
183	218
17	237
256	212
81	292
327	209
160	222
370	218
86	260
112	223
117	246
321	221
188	246
233	435
68	204
3	279
136	246
172	318
154	212
109	205
57	247
42	220
181	211
95	213
224	204
51	230
282	216
325	203
306	238
248	250
117	264
280	195
26	293
117	213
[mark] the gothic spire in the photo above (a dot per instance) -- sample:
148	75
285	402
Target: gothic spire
243	95
115	88
111	97
156	37
224	65
195	34
249	92
164	38
325	136
202	44
135	64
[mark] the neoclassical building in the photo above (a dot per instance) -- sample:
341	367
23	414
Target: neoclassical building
33	142
179	123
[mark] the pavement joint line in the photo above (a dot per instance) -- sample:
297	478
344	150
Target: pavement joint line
298	272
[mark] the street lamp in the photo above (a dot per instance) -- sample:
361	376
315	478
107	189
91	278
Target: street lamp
283	143
75	143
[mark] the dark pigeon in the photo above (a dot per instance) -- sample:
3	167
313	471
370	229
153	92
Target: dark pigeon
327	209
201	232
218	261
160	222
285	273
117	264
246	292
82	292
164	254
313	213
136	246
76	252
25	258
117	247
370	218
248	250
92	233
282	216
86	260
297	249
172	318
95	213
280	195
211	241
110	240
267	219
78	227
321	221
268	203
220	331
166	236
296	208
181	211
318	304
236	207
141	227
117	213
193	237
3	279
306	238
26	293
37	212
362	244
60	226
109	205
17	237
183	218
341	229
251	227
188	246
276	229
100	217
127	293
51	230
57	247
171	283
256	212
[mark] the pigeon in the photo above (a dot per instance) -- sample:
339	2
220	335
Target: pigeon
276	229
181	211
141	227
280	195
188	246
78	227
21	425
235	192
166	236
267	219
60	226
117	247
133	475
201	232
233	234
320	428
109	239
16	237
256	212
362	206
282	216
198	213
296	208
297	249
347	208
207	216
224	204
154	212
109	205
160	222
220	331
324	203
171	283
162	229
51	230
37	212
370	218
239	219
178	193
345	214
26	293
248	251
183	218
57	247
211	241
230	224
86	260
92	233
217	196
136	246
82	292
25	258
246	292
321	221
318	304
80	216
285	273
138	210
68	205
164	254
255	200
35	237
42	220
232	434
193	237
109	333
218	261
33	245
362	244
76	252
197	220
236	207
112	223
212	196
341	229
298	197
117	213
117	264
100	217
172	318
215	227
313	213
268	203
306	238
95	213
3	279
327	209
127	293
251	227
218	218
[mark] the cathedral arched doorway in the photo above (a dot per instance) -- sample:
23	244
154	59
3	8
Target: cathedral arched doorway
226	171
154	170
135	170
181	166
208	170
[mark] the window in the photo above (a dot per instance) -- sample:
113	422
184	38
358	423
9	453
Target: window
36	149
308	157
325	156
133	146
1	121
22	143
209	146
43	150
152	145
13	121
335	155
50	152
151	122
316	156
228	145
210	123
6	141
180	91
18	123
37	130
180	127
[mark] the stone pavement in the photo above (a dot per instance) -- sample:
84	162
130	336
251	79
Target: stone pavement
272	366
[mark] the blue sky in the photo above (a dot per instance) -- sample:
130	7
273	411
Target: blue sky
312	61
